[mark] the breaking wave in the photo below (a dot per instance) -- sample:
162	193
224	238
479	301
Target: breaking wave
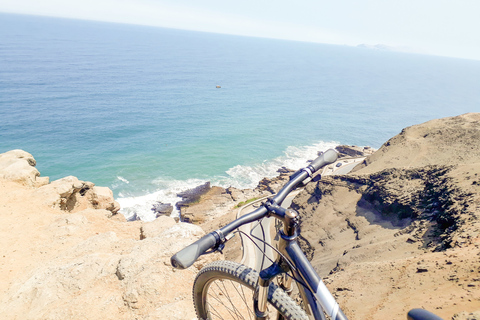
239	176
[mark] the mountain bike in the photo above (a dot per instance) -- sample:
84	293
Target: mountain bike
229	290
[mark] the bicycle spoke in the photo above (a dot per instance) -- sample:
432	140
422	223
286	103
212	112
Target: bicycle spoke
224	300
220	301
227	295
242	295
212	311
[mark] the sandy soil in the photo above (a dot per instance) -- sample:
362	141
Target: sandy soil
401	232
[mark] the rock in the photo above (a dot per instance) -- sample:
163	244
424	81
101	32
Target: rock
183	230
66	193
161	209
272	185
19	166
214	203
156	227
102	198
236	194
353	151
192	195
65	283
68	224
72	195
467	316
285	170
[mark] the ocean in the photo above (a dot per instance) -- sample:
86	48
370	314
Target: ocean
137	108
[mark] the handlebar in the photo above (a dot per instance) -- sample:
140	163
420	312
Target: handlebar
329	156
421	314
187	256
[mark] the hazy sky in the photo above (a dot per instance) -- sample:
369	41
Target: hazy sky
441	27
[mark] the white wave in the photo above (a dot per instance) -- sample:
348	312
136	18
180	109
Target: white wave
119	182
141	206
123	179
240	176
294	158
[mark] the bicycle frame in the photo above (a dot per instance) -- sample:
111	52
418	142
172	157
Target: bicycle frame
314	292
312	289
315	295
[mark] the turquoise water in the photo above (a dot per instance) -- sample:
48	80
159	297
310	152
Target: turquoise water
136	108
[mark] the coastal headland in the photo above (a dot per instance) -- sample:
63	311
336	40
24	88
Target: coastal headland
401	231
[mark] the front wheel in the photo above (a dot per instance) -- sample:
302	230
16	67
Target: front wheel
224	290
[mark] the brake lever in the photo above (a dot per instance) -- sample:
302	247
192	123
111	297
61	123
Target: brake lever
221	246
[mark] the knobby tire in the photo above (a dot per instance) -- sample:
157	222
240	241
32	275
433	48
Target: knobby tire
224	290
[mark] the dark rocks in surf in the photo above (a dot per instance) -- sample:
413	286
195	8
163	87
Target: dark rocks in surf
353	151
273	185
192	195
162	209
285	170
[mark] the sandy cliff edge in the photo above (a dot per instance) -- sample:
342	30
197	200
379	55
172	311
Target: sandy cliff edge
379	238
67	255
402	231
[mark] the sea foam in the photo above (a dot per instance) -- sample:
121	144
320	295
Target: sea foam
239	176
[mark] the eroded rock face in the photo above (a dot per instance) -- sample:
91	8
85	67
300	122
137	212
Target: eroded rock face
425	203
399	202
68	194
116	278
19	166
448	141
73	195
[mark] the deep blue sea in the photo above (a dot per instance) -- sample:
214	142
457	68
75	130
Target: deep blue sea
136	108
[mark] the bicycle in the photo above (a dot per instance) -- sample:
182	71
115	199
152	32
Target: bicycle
227	289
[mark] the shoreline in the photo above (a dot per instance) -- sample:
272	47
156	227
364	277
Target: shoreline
133	207
405	225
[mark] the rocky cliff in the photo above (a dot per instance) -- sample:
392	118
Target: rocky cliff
66	254
401	231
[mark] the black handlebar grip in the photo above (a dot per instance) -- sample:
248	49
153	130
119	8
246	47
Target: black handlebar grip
329	156
421	314
187	256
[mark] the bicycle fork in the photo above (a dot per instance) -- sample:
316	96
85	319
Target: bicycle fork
312	289
279	267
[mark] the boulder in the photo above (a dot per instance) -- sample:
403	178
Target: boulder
353	151
162	209
73	195
156	227
214	203
67	194
192	195
102	198
19	166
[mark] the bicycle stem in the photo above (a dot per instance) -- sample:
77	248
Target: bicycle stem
215	240
263	210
